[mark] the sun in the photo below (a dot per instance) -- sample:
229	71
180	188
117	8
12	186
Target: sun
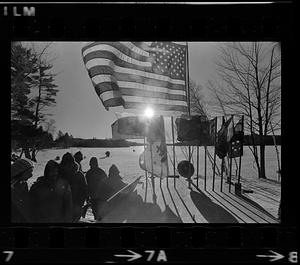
149	113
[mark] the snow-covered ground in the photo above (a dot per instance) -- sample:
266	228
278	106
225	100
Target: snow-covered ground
266	193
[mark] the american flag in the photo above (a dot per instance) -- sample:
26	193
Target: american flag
137	75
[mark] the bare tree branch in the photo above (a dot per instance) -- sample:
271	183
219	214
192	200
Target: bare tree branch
247	82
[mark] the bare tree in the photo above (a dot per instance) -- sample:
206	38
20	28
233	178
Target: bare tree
248	83
197	102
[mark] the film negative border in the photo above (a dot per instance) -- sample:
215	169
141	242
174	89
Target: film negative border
165	244
186	21
189	244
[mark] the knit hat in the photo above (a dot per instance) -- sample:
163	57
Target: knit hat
67	160
93	162
51	164
20	166
78	156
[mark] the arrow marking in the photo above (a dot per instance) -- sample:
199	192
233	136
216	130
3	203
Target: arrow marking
132	257
275	256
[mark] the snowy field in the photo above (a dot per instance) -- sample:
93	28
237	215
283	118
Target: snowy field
266	192
126	159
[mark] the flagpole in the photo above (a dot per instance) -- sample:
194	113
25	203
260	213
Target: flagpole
152	176
188	79
146	175
277	153
236	168
197	165
205	165
161	169
222	162
242	143
230	161
173	149
188	96
215	140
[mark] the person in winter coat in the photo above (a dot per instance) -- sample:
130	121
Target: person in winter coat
69	170
50	197
21	171
97	189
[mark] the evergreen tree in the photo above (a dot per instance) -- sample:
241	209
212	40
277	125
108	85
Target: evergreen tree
23	67
46	91
32	89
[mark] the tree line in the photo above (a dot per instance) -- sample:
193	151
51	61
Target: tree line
66	141
33	91
45	140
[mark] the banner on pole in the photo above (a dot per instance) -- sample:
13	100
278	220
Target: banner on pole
193	128
222	144
132	127
154	159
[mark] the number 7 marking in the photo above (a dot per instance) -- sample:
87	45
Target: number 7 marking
9	255
151	253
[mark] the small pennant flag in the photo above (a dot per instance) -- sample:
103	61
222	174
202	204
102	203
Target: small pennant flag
212	129
230	129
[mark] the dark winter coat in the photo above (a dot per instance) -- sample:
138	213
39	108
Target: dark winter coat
51	201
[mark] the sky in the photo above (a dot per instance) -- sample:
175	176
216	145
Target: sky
79	111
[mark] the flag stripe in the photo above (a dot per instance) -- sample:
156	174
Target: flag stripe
156	107
110	63
100	79
112	90
104	96
108	86
118	47
154	89
149	95
103	79
119	59
106	70
180	43
154	100
113	102
132	46
132	98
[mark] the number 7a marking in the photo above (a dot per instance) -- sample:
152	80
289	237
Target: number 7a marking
9	255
